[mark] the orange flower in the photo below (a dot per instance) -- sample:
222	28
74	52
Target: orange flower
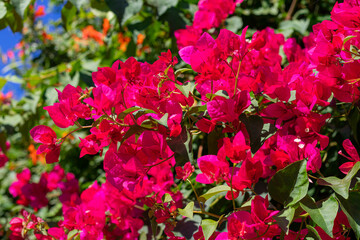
124	41
46	36
106	26
34	156
40	11
90	32
140	39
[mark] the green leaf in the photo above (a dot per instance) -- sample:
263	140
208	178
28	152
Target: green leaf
347	39
123	114
133	7
117	7
208	226
167	198
196	109
68	13
188	211
182	147
351	208
2	10
186	88
254	125
134	129
90	65
162	5
20	6
163	120
354	119
215	190
340	186
322	214
220	93
154	227
72	234
3	138
289	185
79	3
14	20
312	233
180	71
142	112
284	218
124	9
2	82
234	23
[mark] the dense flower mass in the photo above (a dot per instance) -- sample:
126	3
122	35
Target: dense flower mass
262	122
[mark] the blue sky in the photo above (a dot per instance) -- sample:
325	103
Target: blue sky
8	40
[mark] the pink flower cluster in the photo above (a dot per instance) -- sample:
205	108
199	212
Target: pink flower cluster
211	14
145	117
34	194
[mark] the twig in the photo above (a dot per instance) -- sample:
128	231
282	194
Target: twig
291	10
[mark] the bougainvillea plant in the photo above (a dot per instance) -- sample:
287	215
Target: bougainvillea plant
261	126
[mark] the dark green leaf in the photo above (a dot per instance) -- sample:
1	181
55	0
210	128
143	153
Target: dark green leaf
127	111
68	13
20	6
188	211
284	218
289	185
182	147
154	227
254	125
134	129
124	9
3	139
340	186
351	208
212	140
354	119
142	112
14	20
196	109
117	7
322	214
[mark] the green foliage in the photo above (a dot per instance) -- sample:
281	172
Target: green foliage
340	186
188	211
289	185
209	227
322	214
350	206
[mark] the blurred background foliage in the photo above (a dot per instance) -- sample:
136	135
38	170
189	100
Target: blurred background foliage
87	34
